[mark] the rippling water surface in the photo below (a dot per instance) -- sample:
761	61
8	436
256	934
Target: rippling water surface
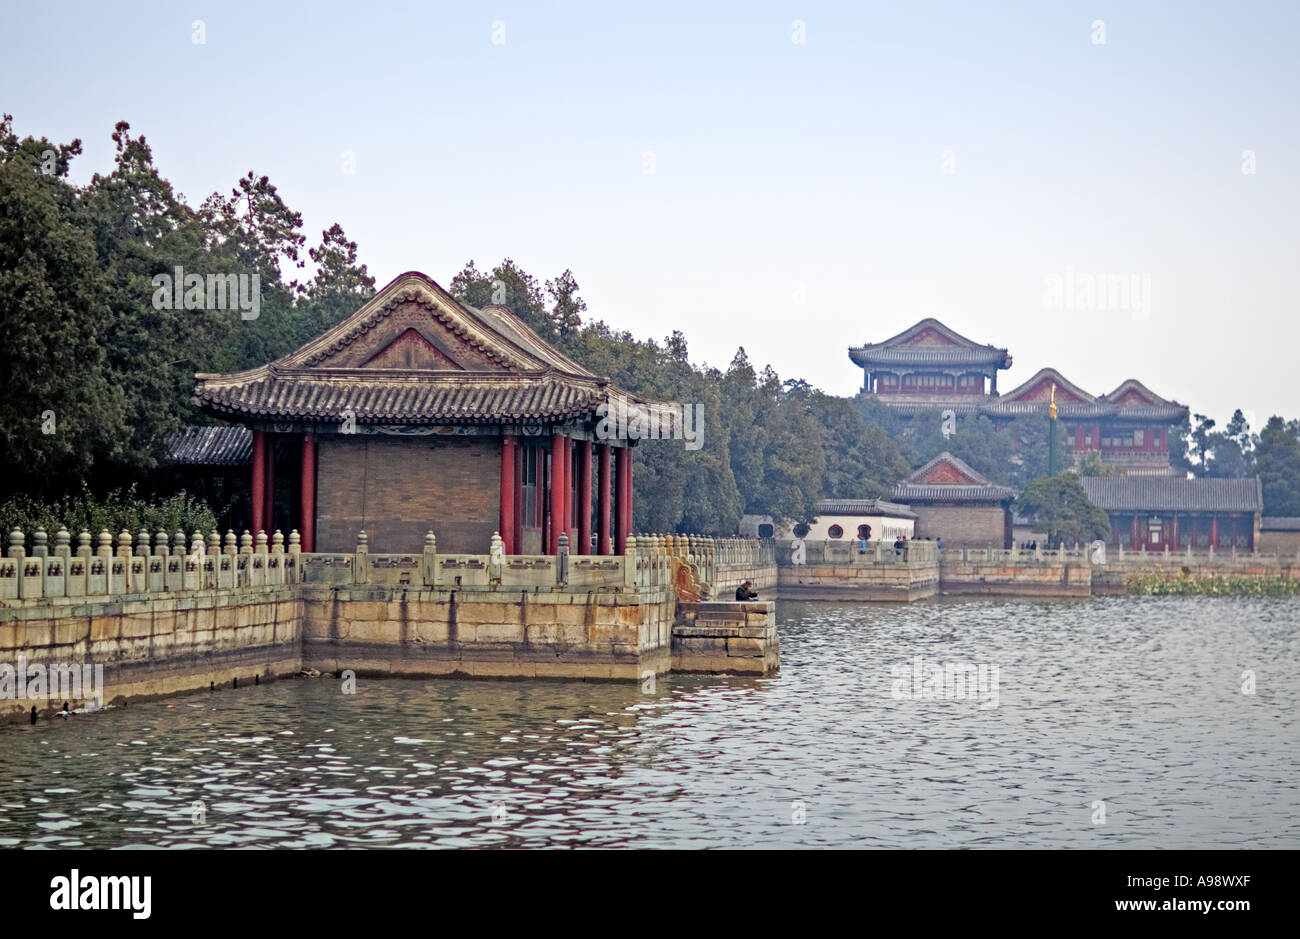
1134	702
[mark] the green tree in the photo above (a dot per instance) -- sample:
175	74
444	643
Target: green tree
862	462
341	285
566	306
1090	464
1278	460
260	234
61	411
509	286
1029	433
141	228
1059	504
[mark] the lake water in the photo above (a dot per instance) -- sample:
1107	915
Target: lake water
1131	706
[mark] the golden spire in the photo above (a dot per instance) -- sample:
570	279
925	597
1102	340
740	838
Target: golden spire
1052	407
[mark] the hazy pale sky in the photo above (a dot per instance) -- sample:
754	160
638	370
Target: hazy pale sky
701	168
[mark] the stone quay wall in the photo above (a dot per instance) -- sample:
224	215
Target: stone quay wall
163	617
726	637
488	633
1070	572
150	645
1111	579
843	571
1045	578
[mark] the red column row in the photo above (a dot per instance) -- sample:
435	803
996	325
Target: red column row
563	472
262	497
567	490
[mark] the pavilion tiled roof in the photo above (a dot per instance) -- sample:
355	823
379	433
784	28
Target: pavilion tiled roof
450	398
1173	494
904	350
980	489
210	446
474	366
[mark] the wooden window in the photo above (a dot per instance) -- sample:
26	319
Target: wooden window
529	502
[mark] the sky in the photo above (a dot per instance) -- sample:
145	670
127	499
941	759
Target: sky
796	177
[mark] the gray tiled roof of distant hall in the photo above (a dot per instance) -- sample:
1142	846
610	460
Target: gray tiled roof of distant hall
1280	523
211	446
1172	494
864	507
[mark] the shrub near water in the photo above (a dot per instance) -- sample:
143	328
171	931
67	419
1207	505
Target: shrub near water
118	510
1160	584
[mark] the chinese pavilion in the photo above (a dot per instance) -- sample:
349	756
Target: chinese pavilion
957	504
930	367
419	412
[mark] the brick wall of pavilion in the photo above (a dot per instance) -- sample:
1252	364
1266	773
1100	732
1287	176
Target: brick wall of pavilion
958	525
397	488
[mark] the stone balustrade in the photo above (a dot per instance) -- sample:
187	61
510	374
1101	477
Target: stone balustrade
155	564
852	554
1225	557
162	563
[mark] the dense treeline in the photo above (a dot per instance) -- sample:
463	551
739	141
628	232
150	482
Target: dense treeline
770	447
97	373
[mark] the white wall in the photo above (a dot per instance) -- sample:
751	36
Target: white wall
883	527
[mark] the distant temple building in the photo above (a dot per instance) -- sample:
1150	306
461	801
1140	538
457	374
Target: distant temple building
958	505
419	412
1179	513
929	367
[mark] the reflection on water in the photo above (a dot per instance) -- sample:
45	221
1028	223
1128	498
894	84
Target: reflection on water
1133	702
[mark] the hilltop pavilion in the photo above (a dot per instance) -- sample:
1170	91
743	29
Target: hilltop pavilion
930	367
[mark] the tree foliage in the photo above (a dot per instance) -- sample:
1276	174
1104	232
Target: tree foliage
1278	460
98	375
1059	504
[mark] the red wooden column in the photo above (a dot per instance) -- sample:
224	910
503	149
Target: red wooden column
602	501
559	489
584	497
543	505
568	492
257	500
506	525
518	534
624	512
1214	531
307	527
268	510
